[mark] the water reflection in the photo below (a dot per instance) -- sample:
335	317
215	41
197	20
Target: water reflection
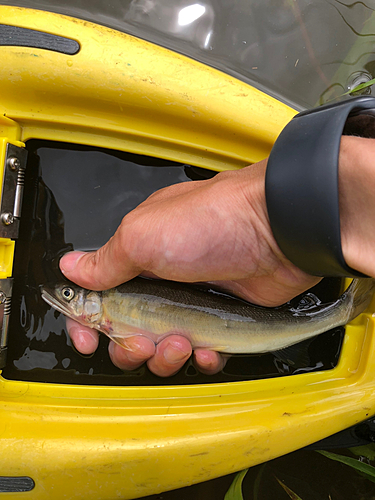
300	51
191	13
32	359
192	22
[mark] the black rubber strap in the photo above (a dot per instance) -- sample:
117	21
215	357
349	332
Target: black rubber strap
302	184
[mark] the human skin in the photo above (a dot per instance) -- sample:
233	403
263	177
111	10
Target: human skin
217	231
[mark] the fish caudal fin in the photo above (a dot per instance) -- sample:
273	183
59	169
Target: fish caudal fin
360	293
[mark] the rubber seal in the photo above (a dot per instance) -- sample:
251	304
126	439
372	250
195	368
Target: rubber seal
302	184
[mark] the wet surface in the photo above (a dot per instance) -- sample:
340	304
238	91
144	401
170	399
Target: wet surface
75	197
307	52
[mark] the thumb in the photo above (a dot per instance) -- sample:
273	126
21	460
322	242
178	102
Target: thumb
100	270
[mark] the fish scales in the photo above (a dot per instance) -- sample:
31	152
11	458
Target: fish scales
158	308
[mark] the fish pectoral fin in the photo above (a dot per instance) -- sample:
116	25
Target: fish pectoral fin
125	345
126	341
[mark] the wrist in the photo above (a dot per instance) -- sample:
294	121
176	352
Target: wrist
253	186
302	185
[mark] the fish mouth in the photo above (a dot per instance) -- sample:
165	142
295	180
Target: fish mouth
55	303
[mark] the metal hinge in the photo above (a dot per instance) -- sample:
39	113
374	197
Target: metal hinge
5	302
12	192
10	212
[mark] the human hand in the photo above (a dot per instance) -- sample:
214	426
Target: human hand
215	230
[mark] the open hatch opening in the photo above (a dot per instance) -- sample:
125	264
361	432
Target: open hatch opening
75	197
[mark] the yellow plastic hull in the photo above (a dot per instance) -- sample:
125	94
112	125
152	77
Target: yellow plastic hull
93	442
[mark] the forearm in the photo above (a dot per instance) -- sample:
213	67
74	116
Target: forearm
357	202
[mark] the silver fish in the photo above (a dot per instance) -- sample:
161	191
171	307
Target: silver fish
157	308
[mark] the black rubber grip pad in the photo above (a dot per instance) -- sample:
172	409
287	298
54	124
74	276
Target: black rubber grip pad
23	37
302	186
16	484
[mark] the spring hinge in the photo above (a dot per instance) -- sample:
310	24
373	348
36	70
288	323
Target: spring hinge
5	303
12	192
10	212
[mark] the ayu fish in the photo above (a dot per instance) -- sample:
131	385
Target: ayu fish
209	319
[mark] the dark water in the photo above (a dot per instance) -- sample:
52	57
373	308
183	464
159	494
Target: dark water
306	473
75	197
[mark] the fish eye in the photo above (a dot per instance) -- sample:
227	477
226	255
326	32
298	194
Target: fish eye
67	293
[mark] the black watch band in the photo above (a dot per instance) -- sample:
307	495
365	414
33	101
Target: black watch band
302	184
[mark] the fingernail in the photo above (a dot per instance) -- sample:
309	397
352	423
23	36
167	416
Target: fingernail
173	355
69	261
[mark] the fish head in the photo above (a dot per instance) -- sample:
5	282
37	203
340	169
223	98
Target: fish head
84	306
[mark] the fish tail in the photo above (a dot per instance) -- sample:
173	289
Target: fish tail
359	293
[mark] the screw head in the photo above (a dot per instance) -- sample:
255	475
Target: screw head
7	218
13	163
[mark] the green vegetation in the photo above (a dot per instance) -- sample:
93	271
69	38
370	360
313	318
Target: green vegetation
235	490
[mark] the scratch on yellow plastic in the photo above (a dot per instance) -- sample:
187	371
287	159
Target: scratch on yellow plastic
80	442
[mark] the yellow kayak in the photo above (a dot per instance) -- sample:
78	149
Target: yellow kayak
96	88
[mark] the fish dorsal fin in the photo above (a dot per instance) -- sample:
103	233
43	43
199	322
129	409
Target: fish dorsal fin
308	301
